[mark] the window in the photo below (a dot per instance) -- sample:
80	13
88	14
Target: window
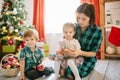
58	12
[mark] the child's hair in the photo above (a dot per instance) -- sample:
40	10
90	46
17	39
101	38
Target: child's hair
69	25
31	32
88	10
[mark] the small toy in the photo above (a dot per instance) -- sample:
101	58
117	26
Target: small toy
110	50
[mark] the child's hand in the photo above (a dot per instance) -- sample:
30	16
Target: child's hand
22	78
61	51
40	67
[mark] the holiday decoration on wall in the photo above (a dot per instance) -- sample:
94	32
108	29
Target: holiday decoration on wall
114	36
12	22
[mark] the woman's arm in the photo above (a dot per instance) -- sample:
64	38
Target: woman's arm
80	53
87	54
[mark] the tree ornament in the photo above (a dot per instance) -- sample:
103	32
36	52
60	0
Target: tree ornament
11	28
6	4
6	9
8	23
21	33
11	41
14	11
22	22
18	18
16	30
0	46
3	28
18	24
27	26
22	45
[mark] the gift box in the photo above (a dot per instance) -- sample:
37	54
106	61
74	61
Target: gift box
46	50
8	48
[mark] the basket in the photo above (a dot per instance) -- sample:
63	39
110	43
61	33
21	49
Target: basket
11	72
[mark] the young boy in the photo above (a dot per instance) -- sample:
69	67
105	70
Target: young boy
31	58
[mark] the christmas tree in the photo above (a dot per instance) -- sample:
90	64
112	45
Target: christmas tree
12	22
12	26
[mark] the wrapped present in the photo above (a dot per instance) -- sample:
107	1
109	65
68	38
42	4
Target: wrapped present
40	44
46	50
8	48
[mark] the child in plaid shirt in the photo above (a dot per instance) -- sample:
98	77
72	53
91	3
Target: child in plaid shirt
31	57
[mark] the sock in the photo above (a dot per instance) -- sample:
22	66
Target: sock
74	69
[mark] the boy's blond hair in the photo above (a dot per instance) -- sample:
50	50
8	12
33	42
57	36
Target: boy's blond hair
69	25
31	32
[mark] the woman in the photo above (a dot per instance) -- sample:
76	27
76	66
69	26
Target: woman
89	36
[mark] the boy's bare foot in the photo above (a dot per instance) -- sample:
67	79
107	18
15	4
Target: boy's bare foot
62	72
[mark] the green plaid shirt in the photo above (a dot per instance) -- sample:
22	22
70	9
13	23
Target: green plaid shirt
31	58
90	40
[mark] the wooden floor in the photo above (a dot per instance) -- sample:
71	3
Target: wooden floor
104	70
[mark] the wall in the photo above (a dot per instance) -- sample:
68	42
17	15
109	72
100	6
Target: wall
52	39
114	8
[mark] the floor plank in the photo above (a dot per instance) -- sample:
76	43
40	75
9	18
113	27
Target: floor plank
100	70
113	70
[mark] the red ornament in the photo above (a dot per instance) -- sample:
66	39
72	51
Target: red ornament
11	41
5	64
12	64
98	54
7	4
23	45
40	67
22	22
10	58
0	47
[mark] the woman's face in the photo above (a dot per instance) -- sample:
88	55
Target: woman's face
83	20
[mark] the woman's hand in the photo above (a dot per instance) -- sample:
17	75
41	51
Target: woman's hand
73	53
